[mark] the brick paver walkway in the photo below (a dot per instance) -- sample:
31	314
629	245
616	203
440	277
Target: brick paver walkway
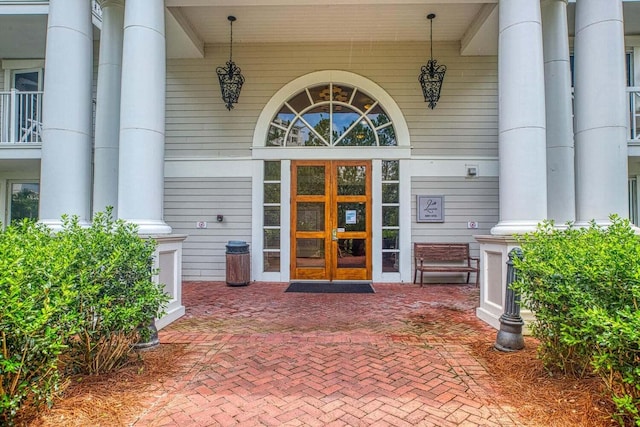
259	356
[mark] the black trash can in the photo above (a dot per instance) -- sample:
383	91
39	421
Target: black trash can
238	263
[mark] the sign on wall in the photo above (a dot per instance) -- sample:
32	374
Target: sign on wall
430	208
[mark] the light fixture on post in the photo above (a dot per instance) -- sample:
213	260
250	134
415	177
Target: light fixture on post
230	78
432	74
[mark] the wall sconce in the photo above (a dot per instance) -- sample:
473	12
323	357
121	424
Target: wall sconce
432	74
231	80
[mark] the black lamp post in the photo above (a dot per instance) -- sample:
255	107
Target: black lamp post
432	74
230	78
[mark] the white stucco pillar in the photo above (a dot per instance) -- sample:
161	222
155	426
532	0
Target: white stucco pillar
107	128
600	111
142	117
521	118
65	177
559	113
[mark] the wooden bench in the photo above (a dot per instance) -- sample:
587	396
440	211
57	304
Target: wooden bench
444	258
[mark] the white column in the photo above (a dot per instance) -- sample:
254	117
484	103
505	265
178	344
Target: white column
107	132
559	113
600	111
521	118
65	177
142	117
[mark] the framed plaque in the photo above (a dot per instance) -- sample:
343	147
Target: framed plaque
430	208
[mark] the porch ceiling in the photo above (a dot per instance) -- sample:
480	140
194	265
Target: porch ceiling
286	21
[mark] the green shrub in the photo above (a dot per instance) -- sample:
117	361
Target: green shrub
115	288
36	291
583	284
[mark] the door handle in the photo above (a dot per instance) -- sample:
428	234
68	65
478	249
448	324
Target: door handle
334	234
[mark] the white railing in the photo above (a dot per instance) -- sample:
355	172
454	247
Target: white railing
20	117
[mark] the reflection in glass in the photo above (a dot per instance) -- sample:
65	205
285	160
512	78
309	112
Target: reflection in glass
305	136
387	137
352	216
310	180
390	170
272	171
318	119
390	215
310	253
271	261
272	193
25	200
390	193
310	216
352	253
352	180
390	262
361	135
378	116
275	137
390	239
343	119
271	216
272	238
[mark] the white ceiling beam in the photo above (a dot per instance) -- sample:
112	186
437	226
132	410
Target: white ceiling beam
183	40
481	38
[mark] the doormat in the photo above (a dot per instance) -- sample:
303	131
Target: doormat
331	287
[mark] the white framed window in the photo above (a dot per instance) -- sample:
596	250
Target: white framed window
23	200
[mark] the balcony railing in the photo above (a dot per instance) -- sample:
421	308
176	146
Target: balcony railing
20	117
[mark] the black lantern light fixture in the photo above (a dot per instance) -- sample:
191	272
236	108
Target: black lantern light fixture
432	74
231	79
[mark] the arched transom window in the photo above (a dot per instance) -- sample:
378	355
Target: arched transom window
330	115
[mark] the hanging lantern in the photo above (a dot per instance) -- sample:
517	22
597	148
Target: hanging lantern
432	74
230	78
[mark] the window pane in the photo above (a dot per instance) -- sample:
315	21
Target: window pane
352	253
318	119
343	119
310	180
352	216
361	135
272	171
378	116
25	199
306	137
300	101
272	193
390	170
271	261
390	215
352	180
271	216
390	262
310	216
390	193
390	239
272	238
387	137
275	137
310	253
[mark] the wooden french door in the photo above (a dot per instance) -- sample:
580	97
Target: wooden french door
331	220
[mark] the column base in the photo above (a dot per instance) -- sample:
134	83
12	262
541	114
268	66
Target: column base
148	227
168	259
510	228
494	254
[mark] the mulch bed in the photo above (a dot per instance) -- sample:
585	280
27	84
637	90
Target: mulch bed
553	401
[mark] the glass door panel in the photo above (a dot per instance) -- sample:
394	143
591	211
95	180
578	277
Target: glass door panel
331	220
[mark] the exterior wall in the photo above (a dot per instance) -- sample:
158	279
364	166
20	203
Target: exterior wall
189	200
463	124
200	132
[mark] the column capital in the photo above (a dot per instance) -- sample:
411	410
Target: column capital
551	1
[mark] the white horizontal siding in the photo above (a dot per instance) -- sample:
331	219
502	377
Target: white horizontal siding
464	122
188	201
464	200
